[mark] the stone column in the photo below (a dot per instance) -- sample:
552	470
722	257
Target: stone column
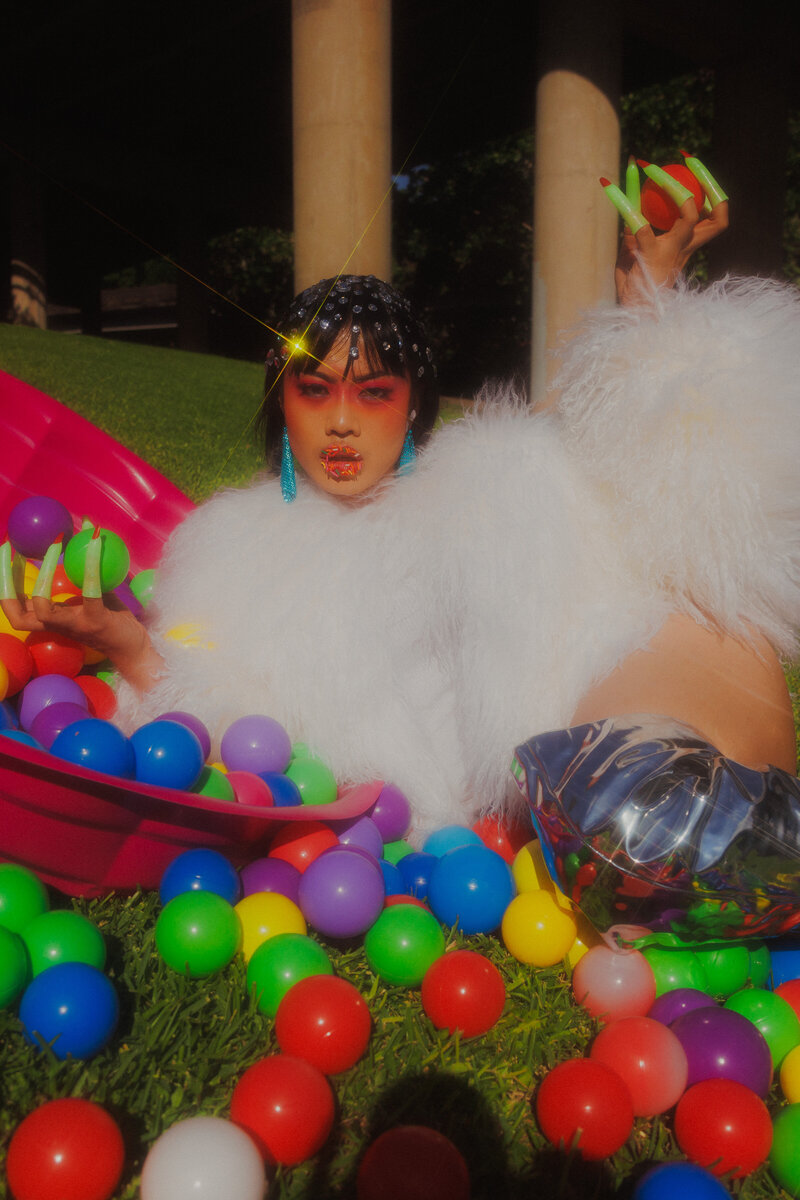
341	104
575	229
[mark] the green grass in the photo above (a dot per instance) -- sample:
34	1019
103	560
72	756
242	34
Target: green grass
182	1044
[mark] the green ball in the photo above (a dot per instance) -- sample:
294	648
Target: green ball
279	963
198	933
394	851
115	561
760	964
14	973
773	1017
726	965
63	936
143	585
675	969
401	945
315	781
23	896
784	1157
214	783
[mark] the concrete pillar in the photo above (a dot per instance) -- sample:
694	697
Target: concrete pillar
341	116
575	229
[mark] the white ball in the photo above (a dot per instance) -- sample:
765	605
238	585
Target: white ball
203	1158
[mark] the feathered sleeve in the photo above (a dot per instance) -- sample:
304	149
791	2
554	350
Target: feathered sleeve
685	413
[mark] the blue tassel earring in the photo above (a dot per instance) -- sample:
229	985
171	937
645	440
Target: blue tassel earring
288	481
408	455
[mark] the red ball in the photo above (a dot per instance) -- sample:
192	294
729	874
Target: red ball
286	1105
101	697
463	990
55	654
16	657
412	1162
585	1106
658	208
648	1058
789	991
324	1020
65	1150
724	1126
404	898
504	837
300	842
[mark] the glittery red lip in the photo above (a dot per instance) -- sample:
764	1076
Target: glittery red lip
341	462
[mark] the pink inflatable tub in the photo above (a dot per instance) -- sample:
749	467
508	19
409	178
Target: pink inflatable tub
80	831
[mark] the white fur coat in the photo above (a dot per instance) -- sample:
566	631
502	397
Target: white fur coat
420	637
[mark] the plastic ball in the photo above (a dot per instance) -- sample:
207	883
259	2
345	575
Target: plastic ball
256	743
14	971
284	791
143	586
16	658
198	933
672	1179
536	930
195	724
167	755
45	690
471	886
53	720
287	1107
279	963
773	1016
648	1058
611	984
506	837
200	871
324	1020
362	832
412	1162
93	743
784	1158
660	209
463	990
271	875
394	851
250	789
214	784
71	1005
584	1105
721	1044
403	943
450	837
63	936
671	1005
23	896
784	960
35	523
115	561
529	868
391	812
790	1076
203	1157
726	967
300	842
723	1126
8	717
315	782
675	969
790	992
65	1150
23	739
341	893
99	696
760	964
392	879
264	915
415	872
54	653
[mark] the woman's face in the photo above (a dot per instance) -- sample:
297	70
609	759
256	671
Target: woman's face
346	434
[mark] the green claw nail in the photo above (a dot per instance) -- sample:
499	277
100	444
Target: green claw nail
714	193
44	580
675	190
18	576
633	185
7	589
632	218
91	570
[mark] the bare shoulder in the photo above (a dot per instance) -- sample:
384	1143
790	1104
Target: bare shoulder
733	692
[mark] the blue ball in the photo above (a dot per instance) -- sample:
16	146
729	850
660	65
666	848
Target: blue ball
415	871
8	718
472	886
167	754
449	837
200	871
285	791
98	745
71	1005
683	1179
784	957
19	735
392	879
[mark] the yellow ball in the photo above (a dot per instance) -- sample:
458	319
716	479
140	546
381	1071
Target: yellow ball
6	627
531	874
265	914
3	681
790	1076
537	930
191	635
587	937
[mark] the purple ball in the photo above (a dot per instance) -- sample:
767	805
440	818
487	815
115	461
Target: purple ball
671	1005
391	812
342	893
53	719
256	744
36	522
127	597
718	1047
48	689
363	832
271	875
195	724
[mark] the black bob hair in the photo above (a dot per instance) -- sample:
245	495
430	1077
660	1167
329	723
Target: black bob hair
380	326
